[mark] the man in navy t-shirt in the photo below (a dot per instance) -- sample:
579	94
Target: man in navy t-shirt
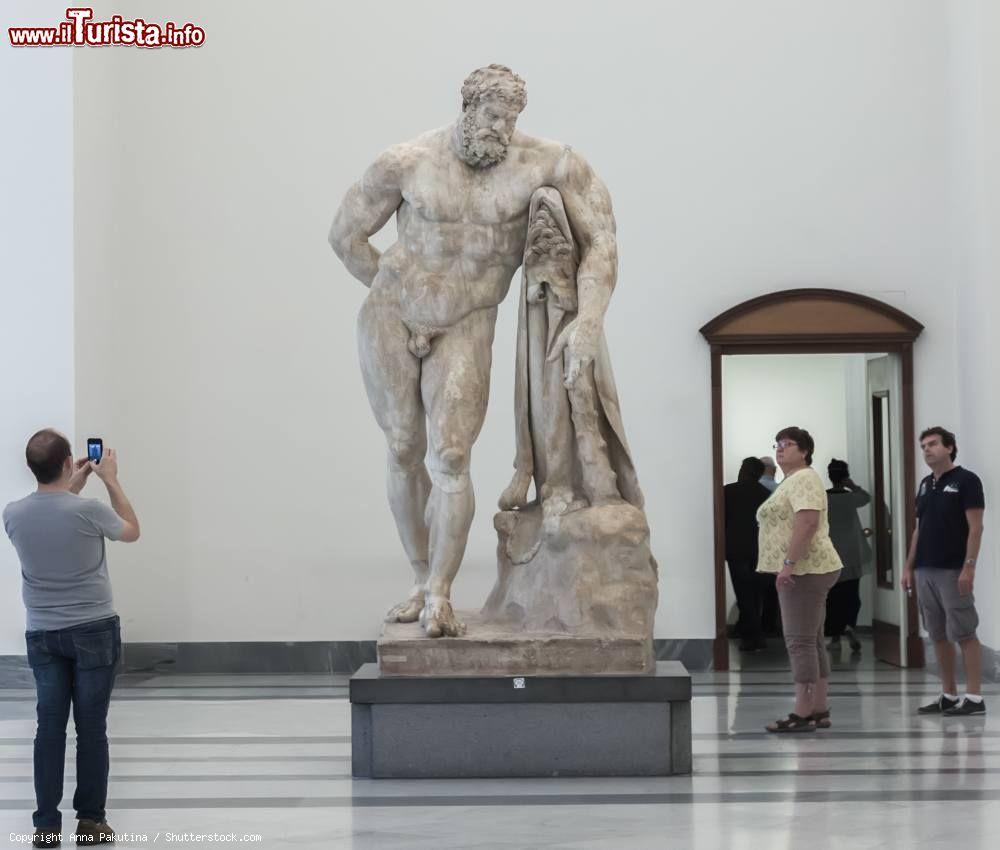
942	565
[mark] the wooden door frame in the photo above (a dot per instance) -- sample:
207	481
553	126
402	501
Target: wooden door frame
810	321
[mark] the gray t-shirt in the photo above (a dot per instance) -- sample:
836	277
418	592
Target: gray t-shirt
59	538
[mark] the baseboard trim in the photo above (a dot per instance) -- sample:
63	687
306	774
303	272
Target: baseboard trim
694	653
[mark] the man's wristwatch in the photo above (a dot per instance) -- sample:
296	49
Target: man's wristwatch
970	562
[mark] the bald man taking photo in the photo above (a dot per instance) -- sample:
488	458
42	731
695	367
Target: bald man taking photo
73	633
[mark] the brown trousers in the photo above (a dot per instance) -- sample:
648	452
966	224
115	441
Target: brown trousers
803	612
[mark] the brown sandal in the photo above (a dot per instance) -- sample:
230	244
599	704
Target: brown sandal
792	723
821	719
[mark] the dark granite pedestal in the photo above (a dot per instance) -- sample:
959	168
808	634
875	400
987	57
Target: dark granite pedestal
463	727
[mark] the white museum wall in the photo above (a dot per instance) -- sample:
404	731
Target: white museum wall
748	147
976	272
36	243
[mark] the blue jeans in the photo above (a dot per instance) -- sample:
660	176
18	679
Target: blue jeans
75	665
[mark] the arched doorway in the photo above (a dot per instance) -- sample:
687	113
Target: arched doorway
819	321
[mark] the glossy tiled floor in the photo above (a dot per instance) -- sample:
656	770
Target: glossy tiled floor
270	755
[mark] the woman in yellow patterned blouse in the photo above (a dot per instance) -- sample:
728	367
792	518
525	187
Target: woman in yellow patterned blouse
795	543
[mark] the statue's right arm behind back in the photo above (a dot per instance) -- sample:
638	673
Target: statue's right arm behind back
366	208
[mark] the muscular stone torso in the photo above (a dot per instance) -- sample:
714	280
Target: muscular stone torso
461	232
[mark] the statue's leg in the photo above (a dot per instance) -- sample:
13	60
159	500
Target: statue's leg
456	388
392	379
599	479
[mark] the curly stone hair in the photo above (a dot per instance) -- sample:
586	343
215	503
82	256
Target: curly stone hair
496	81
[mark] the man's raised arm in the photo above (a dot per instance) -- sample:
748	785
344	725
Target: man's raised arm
588	205
366	207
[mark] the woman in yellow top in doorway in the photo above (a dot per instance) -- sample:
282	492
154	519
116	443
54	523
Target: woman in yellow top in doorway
795	543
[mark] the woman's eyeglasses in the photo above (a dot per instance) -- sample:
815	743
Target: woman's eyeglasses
784	444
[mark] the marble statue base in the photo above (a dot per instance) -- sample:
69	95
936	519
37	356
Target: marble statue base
466	727
488	649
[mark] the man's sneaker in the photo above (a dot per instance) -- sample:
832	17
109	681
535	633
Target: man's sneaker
44	837
966	708
91	832
942	705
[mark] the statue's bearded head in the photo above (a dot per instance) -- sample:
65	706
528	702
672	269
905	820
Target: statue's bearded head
492	99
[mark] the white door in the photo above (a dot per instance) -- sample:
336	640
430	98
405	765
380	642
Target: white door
884	384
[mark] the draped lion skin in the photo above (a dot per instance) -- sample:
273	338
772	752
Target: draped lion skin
461	196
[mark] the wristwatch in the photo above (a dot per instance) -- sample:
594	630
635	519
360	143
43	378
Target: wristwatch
789	562
970	562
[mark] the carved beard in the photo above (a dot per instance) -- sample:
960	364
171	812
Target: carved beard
480	148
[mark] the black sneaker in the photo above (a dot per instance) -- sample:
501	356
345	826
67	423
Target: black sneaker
942	705
966	708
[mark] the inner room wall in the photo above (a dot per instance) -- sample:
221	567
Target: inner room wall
762	393
823	393
747	148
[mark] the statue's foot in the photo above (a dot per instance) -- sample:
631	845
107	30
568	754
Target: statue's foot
516	494
438	618
559	501
407	611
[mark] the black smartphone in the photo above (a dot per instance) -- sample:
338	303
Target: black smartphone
95	449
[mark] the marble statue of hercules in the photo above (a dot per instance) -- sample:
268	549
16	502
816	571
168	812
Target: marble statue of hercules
425	331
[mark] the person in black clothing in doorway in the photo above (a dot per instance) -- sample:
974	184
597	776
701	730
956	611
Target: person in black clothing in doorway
742	498
844	601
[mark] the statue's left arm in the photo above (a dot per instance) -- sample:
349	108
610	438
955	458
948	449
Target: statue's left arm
588	206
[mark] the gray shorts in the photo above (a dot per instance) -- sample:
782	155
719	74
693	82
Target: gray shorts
947	614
